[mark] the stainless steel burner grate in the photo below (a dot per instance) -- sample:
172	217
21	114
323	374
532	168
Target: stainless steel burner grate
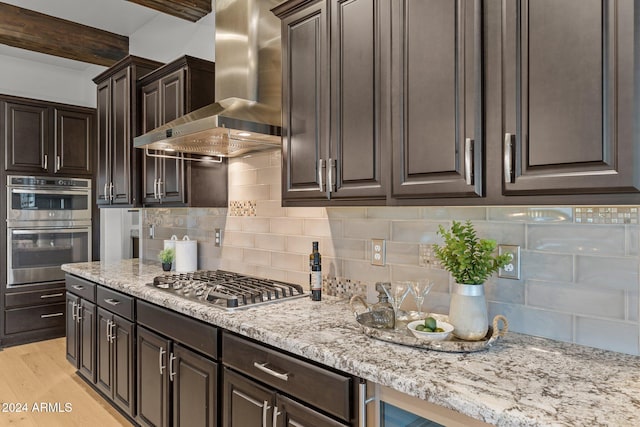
225	289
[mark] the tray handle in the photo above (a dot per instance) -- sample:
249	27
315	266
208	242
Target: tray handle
497	332
360	299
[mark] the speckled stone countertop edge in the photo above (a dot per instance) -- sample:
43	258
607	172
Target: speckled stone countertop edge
522	380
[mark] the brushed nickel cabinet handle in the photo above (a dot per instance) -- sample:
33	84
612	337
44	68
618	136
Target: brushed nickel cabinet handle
45	162
468	161
265	410
73	311
78	317
155	188
111	191
160	193
58	163
51	296
362	391
77	287
276	413
320	175
111	301
46	316
263	368
112	332
330	173
160	354
108	330
171	371
247	398
106	195
509	148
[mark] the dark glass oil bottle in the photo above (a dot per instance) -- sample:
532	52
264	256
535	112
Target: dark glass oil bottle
315	273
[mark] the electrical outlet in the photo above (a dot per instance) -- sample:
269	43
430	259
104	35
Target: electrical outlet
217	237
378	252
511	270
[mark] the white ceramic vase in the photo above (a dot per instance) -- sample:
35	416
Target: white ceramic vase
468	312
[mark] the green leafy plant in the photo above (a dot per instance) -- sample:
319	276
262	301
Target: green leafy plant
469	259
167	255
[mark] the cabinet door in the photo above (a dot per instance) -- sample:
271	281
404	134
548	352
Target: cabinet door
87	335
359	115
122	356
72	329
568	104
294	414
151	166
152	379
27	137
103	161
172	103
73	140
245	403
305	102
437	96
121	137
104	365
195	385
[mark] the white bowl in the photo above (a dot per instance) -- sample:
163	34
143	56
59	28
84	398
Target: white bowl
431	336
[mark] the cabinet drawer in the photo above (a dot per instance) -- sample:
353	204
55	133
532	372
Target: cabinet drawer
34	318
325	389
190	332
115	302
81	287
40	297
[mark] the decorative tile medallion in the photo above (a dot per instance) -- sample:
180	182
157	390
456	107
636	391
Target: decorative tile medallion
606	215
242	208
343	288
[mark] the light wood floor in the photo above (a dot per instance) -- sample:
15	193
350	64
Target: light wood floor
38	373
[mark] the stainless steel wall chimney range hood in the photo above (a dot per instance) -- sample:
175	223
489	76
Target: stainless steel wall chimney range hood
247	117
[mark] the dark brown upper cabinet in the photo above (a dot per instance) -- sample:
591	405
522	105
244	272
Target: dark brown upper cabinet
47	138
118	124
568	97
335	94
437	97
169	92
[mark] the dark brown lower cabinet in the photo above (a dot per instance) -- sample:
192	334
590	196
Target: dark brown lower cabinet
81	326
265	386
81	336
174	383
247	403
115	352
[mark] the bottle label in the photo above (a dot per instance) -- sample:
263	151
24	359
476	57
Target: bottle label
315	280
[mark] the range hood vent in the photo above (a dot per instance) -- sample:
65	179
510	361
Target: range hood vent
247	117
228	128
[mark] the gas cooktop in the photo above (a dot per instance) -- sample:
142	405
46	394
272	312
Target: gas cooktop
227	290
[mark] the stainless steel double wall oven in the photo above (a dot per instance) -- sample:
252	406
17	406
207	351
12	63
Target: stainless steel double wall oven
48	224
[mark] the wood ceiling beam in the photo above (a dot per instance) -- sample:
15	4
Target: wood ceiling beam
191	10
27	29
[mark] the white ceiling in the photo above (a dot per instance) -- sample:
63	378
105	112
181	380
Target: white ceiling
117	16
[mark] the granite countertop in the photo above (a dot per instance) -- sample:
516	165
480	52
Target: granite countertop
521	381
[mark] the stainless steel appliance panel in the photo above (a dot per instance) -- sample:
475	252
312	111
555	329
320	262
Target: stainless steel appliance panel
47	199
35	254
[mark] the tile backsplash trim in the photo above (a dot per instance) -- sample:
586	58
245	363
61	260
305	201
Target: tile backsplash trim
580	280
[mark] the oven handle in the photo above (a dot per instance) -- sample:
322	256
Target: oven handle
51	191
39	230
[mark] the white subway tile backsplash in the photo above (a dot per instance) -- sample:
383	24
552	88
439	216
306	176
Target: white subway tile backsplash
580	281
538	322
415	232
367	229
577	239
322	228
612	335
545	214
437	213
290	226
270	242
572	298
546	266
607	273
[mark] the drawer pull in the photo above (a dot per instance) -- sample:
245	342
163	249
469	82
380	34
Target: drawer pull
46	316
263	368
77	287
51	296
112	301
